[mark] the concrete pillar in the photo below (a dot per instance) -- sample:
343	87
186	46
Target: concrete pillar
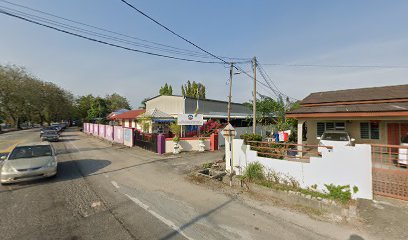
300	137
214	142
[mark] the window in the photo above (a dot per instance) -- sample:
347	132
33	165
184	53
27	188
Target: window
325	126
369	130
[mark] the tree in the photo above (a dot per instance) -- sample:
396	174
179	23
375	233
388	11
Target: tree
143	103
98	110
193	90
166	90
116	102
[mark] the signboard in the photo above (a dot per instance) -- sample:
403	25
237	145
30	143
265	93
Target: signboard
118	134
128	137
109	133
190	119
102	131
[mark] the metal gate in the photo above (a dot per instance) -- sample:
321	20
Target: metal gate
390	172
146	141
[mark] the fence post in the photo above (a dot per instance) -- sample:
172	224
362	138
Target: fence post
161	144
214	142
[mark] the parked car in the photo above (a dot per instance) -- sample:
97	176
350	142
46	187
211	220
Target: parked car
403	152
29	162
335	139
50	136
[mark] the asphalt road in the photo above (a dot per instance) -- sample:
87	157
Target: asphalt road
110	192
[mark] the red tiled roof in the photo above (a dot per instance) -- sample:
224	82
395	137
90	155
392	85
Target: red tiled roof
132	114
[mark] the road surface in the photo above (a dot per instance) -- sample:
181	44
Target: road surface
111	192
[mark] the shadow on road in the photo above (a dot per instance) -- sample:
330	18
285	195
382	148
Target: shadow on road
67	170
196	219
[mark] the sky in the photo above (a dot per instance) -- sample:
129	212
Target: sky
276	32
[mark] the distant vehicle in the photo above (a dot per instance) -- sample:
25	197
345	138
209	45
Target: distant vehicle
335	139
29	162
50	136
45	129
403	152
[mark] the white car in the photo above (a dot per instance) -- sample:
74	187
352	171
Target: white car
403	152
335	139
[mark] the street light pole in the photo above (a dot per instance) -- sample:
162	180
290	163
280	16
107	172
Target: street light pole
254	101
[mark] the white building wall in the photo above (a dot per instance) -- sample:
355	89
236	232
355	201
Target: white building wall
187	145
342	166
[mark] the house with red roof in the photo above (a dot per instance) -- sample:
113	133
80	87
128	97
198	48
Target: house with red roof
128	119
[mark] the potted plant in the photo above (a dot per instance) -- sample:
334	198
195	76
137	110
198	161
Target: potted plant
176	146
201	144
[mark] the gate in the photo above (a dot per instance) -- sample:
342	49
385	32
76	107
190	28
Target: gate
390	173
146	141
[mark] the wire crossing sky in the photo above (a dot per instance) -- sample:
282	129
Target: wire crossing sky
301	47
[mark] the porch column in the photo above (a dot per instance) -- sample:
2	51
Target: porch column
300	137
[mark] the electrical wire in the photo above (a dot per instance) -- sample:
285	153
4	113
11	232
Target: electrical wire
105	42
172	49
335	66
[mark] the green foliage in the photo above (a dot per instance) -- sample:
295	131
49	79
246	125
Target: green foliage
193	90
175	129
207	165
143	103
176	139
24	97
254	172
146	126
250	137
340	193
115	102
166	90
355	189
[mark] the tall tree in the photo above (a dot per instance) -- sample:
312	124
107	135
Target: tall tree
193	90
116	102
166	90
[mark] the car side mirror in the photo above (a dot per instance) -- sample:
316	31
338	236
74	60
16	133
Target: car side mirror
318	138
353	139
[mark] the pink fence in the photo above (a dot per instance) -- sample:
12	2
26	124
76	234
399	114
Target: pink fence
118	134
102	130
95	130
109	133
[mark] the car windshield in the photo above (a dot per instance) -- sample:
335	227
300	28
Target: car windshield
30	152
335	136
50	134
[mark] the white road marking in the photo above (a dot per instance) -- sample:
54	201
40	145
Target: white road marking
158	216
115	184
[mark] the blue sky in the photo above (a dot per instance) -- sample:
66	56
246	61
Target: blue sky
285	32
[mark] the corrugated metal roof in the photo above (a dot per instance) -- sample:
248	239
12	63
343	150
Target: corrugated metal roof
156	113
360	94
375	107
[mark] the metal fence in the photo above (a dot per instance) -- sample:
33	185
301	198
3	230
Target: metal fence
390	173
146	141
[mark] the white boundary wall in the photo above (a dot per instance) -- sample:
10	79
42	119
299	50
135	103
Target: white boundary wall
342	166
187	145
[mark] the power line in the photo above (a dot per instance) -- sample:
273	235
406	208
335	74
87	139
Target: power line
92	33
171	31
335	66
172	49
104	42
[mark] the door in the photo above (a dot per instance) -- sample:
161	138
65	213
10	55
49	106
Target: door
404	129
393	134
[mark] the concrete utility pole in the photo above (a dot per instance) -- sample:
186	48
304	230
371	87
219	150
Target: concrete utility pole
254	101
230	91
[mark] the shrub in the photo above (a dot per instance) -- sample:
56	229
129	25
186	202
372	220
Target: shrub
175	129
340	193
254	172
251	137
176	139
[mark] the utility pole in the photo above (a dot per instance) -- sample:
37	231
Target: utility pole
254	101
230	91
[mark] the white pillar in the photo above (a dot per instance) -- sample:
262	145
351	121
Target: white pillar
300	136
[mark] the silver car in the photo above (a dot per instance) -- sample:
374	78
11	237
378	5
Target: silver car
29	162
